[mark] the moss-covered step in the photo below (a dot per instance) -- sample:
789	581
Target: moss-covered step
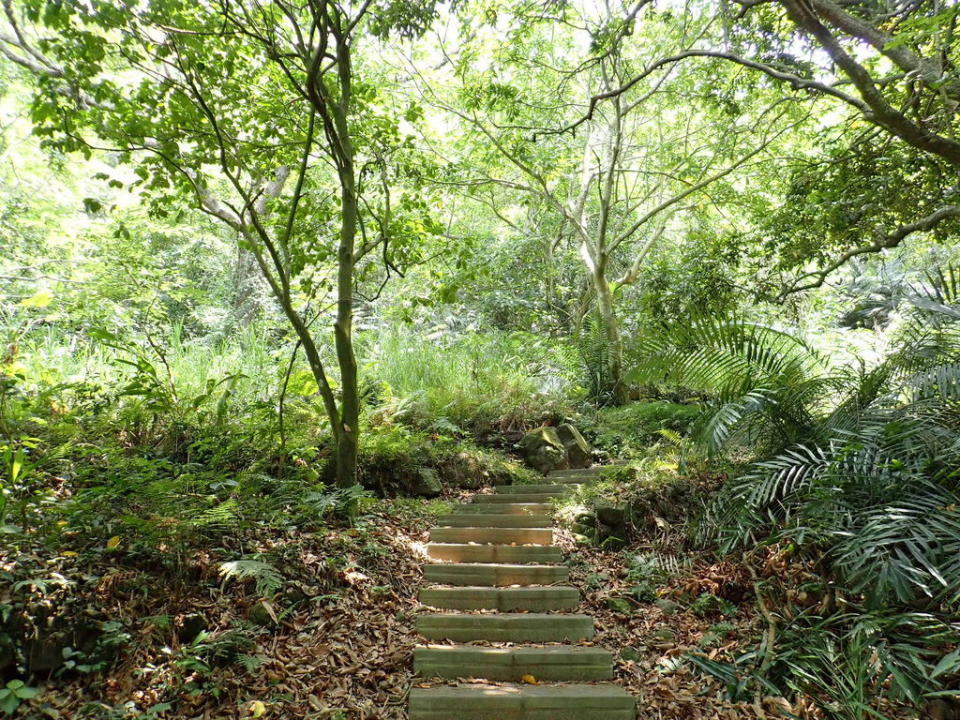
508	599
494	536
538	498
495	575
506	627
589	472
556	489
504	520
555	663
513	554
506	508
527	702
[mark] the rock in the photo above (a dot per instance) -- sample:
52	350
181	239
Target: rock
611	515
191	627
579	452
543	449
8	656
943	709
664	635
426	483
45	654
584	528
667	607
620	605
630	654
466	471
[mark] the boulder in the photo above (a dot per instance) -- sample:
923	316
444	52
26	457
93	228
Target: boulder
611	515
543	449
619	605
579	453
465	471
426	483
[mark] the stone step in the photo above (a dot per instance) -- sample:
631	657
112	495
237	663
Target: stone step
538	498
526	702
512	554
510	599
549	663
588	472
508	508
490	575
570	480
550	489
494	536
509	627
495	520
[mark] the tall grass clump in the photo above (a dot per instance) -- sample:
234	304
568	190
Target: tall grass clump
476	382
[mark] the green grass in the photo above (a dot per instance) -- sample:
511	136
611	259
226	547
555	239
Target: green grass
468	382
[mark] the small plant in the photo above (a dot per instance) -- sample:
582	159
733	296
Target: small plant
644	592
595	581
650	568
113	636
708	604
267	579
13	694
723	628
208	650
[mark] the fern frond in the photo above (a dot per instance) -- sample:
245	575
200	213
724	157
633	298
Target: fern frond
267	579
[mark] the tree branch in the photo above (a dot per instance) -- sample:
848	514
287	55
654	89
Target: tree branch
884	242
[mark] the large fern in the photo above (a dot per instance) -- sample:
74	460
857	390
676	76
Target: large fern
762	387
862	464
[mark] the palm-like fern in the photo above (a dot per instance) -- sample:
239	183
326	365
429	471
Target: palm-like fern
763	386
864	465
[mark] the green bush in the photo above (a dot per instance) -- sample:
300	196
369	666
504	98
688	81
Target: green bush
629	430
484	384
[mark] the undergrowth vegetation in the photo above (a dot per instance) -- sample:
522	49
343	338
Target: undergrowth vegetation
851	474
281	281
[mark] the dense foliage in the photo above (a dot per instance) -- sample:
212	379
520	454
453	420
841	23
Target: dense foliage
268	265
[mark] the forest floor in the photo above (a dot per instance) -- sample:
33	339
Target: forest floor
335	643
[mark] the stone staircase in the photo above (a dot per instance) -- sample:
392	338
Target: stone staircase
496	577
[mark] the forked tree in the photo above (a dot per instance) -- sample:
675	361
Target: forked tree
257	113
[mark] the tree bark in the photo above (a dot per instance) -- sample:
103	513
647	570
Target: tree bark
611	332
343	329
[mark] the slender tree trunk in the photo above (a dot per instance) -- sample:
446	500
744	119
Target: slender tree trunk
348	432
611	331
343	331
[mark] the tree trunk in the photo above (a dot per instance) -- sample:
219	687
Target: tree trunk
348	432
343	332
611	330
